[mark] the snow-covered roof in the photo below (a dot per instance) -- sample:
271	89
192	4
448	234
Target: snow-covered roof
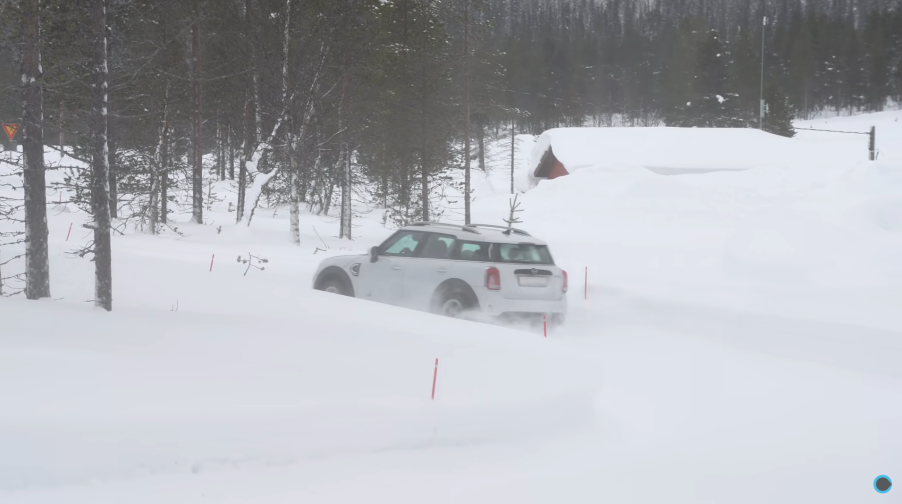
664	150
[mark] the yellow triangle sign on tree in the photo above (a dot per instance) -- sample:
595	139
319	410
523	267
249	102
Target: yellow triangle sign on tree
11	130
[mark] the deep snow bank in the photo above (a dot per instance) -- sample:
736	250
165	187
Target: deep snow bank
663	150
811	229
90	395
701	392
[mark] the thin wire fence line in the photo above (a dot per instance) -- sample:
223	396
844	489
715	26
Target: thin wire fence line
835	131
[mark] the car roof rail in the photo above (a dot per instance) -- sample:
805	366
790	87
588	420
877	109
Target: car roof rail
427	223
504	229
445	225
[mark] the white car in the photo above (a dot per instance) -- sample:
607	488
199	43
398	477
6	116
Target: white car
455	271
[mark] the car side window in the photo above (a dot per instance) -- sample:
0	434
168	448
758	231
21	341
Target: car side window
403	244
438	246
473	251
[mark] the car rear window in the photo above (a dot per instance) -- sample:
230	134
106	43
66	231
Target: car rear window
525	253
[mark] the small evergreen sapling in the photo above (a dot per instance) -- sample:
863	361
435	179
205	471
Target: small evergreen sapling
779	116
514	210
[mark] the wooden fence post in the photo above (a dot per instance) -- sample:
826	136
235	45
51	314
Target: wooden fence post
872	155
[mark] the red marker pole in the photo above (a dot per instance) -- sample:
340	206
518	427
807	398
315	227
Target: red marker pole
70	232
211	262
545	325
586	285
434	378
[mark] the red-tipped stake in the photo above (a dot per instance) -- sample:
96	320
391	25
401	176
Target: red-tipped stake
434	378
586	285
70	231
545	325
211	262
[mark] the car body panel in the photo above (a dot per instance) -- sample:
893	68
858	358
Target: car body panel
423	277
383	280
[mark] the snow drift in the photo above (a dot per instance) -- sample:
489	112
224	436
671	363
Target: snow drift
741	325
663	150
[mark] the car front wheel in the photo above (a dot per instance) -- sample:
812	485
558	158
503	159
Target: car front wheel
335	286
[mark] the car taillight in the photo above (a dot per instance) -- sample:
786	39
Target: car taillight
492	279
565	280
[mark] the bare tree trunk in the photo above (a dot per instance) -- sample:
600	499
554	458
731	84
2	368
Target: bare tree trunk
231	153
114	185
242	169
197	181
62	124
310	172
467	111
164	181
158	168
220	144
424	152
37	259
294	204
295	199
111	146
304	175
255	78
384	189
480	137
328	191
345	165
316	183
513	154
100	179
347	209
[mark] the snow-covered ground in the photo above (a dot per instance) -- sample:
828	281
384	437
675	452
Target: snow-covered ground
740	342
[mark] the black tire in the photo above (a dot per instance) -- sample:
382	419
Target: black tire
334	285
456	303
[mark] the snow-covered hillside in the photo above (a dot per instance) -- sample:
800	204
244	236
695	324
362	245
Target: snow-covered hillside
740	342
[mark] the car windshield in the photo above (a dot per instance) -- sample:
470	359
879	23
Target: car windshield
403	243
527	253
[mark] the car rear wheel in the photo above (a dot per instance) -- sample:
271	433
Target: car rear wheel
456	304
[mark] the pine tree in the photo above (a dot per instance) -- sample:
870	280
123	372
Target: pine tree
679	74
711	103
779	116
745	74
100	197
37	260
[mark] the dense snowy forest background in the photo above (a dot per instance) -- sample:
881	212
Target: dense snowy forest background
324	103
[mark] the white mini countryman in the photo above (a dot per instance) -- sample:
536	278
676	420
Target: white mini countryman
458	271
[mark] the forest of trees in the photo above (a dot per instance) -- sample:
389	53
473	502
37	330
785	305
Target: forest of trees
636	63
321	103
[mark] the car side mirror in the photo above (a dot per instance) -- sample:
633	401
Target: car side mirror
374	254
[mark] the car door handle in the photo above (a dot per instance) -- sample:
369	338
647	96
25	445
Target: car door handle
442	270
396	268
